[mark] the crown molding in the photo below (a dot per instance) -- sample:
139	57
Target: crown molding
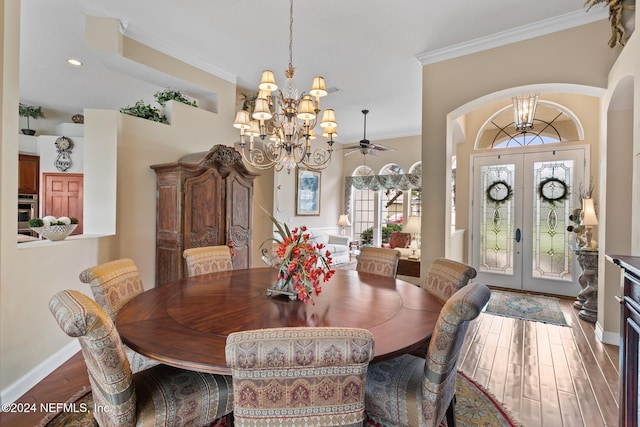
503	38
178	52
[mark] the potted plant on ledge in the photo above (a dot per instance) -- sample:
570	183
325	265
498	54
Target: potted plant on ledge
621	17
30	111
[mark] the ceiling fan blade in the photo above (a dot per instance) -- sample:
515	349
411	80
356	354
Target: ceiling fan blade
350	152
382	147
349	147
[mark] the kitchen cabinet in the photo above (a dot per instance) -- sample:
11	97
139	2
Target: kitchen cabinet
629	341
203	199
28	174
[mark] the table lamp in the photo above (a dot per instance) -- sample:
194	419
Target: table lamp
344	222
589	219
413	227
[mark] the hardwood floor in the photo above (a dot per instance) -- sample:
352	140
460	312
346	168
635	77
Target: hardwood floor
544	374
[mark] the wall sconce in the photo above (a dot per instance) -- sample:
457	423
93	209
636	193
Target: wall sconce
344	222
589	219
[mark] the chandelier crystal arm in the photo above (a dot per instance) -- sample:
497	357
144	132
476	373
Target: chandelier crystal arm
285	122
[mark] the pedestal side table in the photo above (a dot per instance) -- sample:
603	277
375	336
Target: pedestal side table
587	300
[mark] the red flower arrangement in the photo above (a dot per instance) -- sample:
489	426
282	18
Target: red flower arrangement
303	267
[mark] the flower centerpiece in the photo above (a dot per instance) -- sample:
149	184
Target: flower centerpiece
301	266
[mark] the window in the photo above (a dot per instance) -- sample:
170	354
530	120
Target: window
380	204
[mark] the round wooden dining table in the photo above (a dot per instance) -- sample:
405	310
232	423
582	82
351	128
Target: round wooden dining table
186	323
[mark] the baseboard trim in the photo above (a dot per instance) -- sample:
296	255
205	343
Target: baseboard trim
606	337
37	374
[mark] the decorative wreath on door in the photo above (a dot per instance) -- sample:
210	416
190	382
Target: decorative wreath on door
499	192
553	190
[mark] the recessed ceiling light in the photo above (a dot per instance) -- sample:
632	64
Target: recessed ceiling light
74	62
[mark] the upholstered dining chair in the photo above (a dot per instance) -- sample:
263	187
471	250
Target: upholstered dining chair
113	284
446	276
382	261
415	391
299	376
207	259
158	396
398	239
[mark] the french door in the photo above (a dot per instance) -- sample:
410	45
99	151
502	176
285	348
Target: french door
520	213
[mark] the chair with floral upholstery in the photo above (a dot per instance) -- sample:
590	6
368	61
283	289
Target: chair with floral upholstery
299	376
446	276
161	395
207	259
380	261
113	284
415	391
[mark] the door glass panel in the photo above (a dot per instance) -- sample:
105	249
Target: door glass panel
552	205
497	218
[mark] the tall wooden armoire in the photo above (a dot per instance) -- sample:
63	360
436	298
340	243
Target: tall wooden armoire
203	199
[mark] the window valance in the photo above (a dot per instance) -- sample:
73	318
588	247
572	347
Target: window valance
403	182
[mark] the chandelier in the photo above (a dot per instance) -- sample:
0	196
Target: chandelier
284	122
524	111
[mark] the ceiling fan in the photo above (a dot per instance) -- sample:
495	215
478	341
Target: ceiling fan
365	146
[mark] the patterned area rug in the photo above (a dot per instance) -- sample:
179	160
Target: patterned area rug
79	413
474	407
525	306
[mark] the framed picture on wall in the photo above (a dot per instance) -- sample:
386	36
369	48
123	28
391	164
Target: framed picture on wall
307	192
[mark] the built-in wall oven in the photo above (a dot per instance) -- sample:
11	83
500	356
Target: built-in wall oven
27	209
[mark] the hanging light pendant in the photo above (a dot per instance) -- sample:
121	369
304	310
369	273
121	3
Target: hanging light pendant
524	111
285	122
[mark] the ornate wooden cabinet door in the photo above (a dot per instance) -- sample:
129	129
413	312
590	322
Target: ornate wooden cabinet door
238	218
203	199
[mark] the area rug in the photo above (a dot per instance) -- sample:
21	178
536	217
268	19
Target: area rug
536	308
78	412
474	407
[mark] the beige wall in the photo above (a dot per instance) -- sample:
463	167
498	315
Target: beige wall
574	65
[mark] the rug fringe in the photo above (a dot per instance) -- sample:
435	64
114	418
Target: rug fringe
76	396
498	404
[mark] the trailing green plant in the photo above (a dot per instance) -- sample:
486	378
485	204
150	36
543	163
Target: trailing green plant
366	237
30	111
169	94
145	111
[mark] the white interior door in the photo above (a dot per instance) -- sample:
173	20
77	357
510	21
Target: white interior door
520	212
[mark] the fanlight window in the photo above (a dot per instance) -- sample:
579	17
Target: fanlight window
552	124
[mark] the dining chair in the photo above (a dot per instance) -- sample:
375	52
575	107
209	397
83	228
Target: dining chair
113	284
382	261
207	259
161	395
299	376
415	391
446	276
